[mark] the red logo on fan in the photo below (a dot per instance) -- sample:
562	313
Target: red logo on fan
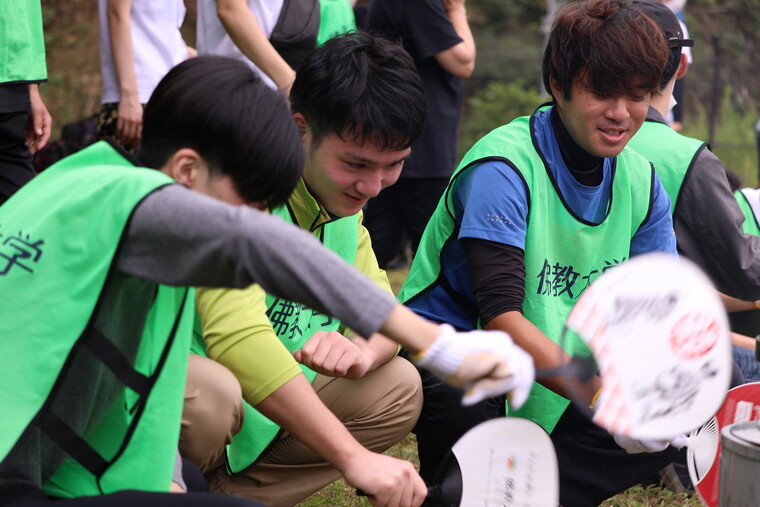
694	335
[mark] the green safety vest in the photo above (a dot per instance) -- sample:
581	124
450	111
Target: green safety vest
294	324
336	17
59	238
22	45
563	253
672	154
751	225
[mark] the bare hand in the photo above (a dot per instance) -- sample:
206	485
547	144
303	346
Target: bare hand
387	481
129	121
334	355
39	125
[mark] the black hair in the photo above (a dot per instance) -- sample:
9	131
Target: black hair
220	108
606	45
364	86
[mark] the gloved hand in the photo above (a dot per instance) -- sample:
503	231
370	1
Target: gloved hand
484	363
634	446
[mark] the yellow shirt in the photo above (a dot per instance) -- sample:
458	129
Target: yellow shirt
238	333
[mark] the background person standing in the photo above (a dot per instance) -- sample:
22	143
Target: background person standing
437	35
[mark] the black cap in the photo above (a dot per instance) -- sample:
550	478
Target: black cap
666	20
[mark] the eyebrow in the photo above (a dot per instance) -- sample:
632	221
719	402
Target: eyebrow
370	161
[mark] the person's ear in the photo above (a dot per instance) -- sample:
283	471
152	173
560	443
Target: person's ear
683	66
301	123
187	167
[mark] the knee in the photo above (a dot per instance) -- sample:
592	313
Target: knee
404	391
212	412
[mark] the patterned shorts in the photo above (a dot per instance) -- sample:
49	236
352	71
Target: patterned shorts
109	113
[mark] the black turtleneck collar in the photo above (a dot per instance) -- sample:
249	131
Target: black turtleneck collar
585	167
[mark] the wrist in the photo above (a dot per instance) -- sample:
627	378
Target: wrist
756	303
349	454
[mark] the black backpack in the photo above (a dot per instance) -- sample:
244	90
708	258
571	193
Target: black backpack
295	34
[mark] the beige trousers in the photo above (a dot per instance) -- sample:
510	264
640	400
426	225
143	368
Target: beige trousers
379	410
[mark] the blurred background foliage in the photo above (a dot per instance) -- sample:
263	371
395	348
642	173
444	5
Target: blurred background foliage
722	87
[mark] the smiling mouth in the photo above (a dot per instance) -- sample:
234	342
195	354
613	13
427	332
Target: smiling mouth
356	200
613	134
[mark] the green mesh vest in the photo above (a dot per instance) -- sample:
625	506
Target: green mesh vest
59	240
336	17
294	324
671	153
563	253
750	225
22	57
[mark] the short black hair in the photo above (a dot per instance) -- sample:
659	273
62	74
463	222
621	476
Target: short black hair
361	85
243	129
606	45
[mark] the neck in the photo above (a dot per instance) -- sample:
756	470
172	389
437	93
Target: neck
661	99
585	167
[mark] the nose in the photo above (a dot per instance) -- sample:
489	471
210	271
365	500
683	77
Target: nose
371	184
617	108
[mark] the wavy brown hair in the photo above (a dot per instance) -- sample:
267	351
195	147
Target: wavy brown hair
606	45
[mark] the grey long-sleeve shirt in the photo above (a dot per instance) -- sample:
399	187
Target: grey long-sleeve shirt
179	237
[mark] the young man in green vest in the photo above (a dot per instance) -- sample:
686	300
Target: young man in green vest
358	104
528	221
96	257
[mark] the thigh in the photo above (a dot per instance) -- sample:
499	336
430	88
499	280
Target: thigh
748	366
16	167
212	412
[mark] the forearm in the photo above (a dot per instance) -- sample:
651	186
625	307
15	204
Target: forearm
122	51
467	52
412	332
742	341
245	31
297	408
545	352
736	305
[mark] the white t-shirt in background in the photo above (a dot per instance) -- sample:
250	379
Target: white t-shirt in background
212	38
156	41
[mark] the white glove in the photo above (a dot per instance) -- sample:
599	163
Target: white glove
484	363
633	446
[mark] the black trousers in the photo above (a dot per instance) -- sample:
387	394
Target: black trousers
398	216
592	467
16	166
